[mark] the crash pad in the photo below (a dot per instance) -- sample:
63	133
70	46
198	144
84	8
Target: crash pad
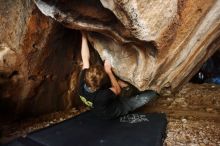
136	129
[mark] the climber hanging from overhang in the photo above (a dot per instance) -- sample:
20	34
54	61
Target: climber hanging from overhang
107	102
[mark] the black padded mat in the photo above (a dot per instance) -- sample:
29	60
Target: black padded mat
86	130
23	142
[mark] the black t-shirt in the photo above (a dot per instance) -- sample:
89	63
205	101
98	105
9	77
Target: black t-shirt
103	102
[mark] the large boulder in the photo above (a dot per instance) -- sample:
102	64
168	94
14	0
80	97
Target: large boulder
151	44
39	60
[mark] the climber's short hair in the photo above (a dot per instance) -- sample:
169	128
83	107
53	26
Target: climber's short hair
96	77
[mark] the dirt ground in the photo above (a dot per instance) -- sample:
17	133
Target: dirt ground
193	117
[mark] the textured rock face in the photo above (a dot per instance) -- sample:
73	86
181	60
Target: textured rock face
146	20
38	60
152	44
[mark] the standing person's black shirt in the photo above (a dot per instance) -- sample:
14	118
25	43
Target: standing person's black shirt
104	102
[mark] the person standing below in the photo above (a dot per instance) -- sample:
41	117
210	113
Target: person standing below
106	102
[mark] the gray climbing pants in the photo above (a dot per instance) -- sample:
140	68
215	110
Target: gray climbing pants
128	104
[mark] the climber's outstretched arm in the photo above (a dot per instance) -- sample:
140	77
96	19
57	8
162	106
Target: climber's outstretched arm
115	86
85	52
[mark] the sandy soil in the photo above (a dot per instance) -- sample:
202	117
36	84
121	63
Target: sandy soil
193	117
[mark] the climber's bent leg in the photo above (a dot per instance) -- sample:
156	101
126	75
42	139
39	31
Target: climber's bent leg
132	103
